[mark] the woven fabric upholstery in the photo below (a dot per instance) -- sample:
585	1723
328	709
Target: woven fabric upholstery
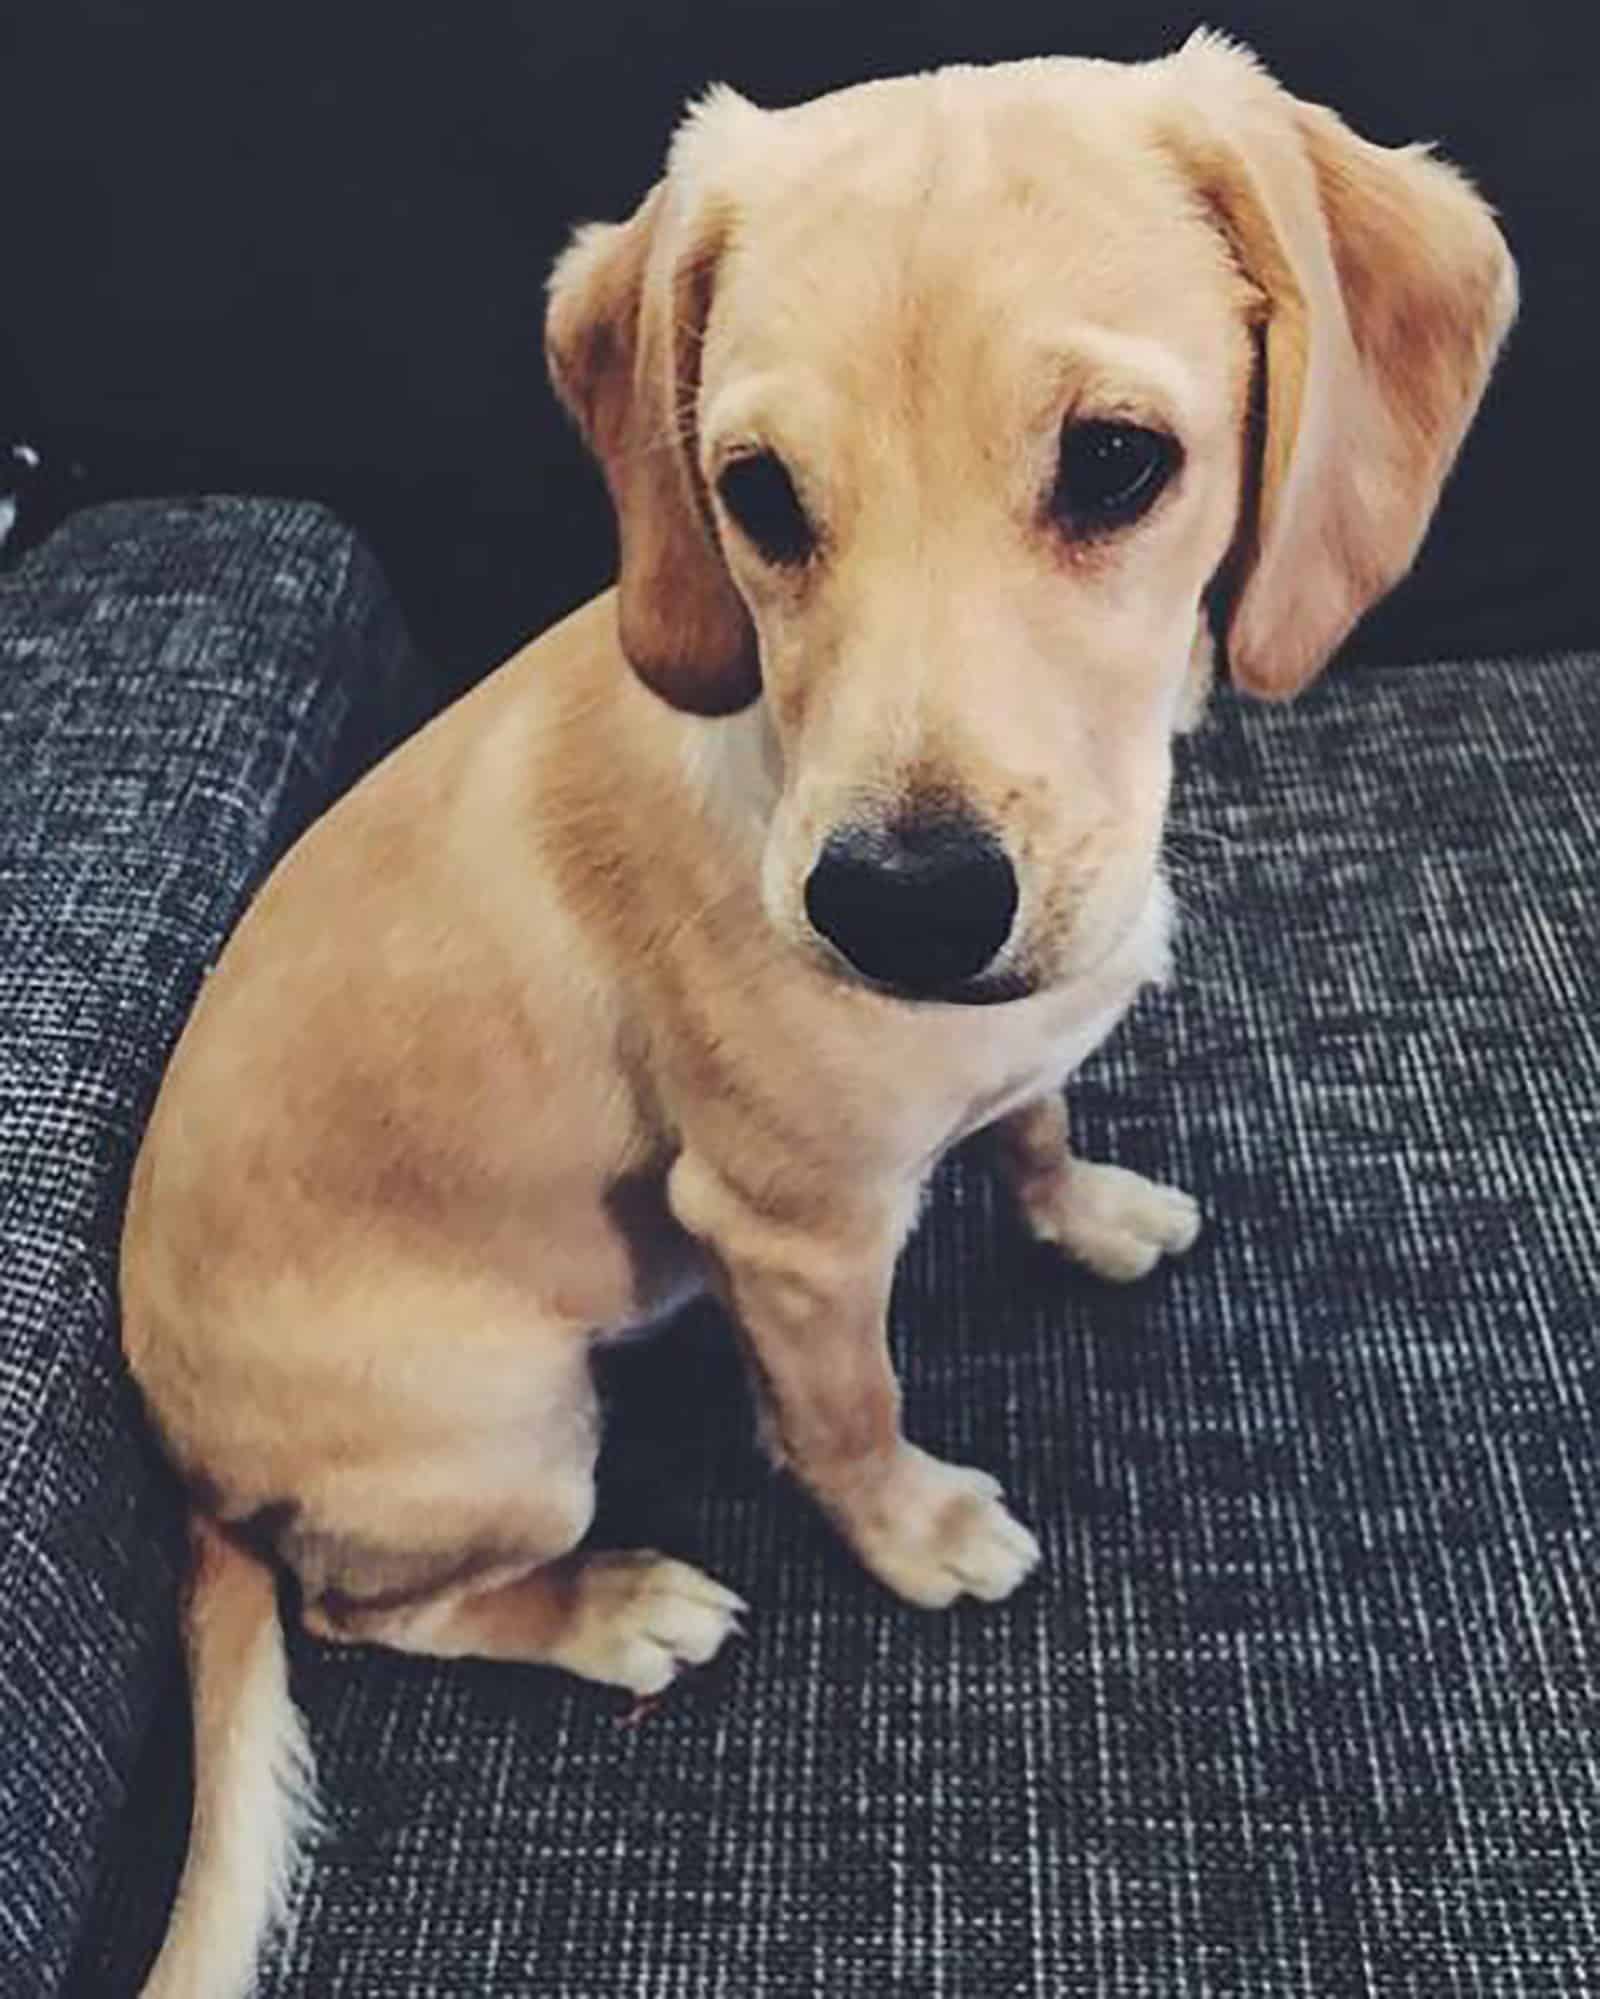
181	685
1303	1703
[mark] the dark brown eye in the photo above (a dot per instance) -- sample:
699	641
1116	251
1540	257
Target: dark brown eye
761	498
1110	474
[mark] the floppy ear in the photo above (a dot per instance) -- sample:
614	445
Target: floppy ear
627	314
1385	291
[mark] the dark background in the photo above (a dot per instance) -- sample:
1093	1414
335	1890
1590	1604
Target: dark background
301	247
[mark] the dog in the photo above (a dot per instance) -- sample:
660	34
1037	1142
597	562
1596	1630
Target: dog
947	421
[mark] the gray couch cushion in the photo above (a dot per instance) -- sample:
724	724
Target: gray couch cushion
1303	1703
181	687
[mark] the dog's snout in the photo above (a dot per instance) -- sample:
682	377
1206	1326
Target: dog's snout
921	905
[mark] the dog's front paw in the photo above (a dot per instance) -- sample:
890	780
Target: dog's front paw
934	1532
637	1619
1117	1223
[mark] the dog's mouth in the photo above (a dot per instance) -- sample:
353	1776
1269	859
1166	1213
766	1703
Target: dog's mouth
999	990
995	988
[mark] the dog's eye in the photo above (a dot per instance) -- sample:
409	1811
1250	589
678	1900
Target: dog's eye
1110	474
760	496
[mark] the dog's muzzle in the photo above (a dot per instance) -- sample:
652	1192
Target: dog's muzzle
920	906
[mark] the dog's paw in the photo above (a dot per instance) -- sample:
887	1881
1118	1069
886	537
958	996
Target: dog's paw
934	1532
637	1619
1117	1223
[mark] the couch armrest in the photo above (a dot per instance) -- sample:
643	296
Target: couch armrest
182	686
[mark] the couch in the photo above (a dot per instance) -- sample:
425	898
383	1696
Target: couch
1304	1701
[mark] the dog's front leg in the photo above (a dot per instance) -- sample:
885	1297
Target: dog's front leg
1117	1223
810	1289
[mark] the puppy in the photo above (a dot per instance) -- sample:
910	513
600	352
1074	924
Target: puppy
944	419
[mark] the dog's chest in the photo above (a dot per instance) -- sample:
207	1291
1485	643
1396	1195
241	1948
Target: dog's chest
1043	1043
1043	1063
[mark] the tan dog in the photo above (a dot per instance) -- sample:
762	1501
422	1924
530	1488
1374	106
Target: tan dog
935	414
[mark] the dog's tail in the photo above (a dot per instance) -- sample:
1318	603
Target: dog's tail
253	1776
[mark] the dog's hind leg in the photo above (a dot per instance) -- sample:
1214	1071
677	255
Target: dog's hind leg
631	1619
467	1550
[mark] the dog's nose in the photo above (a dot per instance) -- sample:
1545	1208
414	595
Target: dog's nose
921	905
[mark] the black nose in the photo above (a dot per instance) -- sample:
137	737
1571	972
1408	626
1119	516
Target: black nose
920	905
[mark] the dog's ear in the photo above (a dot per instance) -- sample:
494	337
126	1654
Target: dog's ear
1385	289
628	308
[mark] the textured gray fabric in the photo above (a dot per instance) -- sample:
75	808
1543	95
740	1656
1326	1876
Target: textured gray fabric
181	685
1304	1701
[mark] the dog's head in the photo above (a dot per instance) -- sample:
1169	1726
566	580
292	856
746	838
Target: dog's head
948	414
